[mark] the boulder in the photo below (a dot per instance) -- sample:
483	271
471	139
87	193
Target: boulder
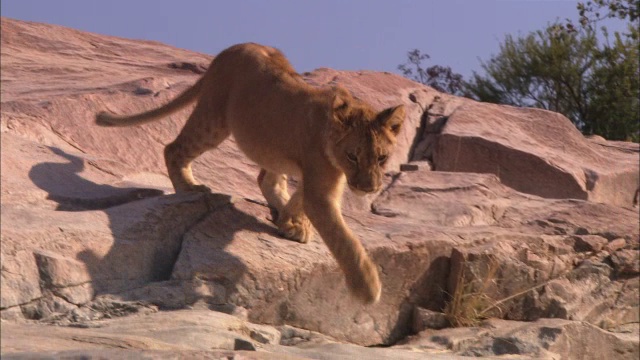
537	152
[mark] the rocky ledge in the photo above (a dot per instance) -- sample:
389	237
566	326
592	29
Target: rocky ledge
502	231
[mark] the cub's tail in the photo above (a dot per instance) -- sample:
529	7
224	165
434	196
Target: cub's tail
190	95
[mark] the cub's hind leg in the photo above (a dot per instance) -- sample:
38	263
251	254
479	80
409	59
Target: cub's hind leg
202	132
291	221
274	189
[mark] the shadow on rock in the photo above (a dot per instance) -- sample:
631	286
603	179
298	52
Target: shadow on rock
74	193
137	261
140	265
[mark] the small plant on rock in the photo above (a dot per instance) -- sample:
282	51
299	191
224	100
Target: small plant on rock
470	300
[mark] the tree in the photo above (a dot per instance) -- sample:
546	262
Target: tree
571	72
544	69
591	11
614	84
563	68
441	78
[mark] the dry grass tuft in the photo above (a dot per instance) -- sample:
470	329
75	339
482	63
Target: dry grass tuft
471	301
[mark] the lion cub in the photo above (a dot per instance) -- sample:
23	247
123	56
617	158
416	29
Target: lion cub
319	135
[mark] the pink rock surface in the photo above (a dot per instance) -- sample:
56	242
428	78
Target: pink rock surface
88	212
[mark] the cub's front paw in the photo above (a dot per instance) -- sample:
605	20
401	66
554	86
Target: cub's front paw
296	228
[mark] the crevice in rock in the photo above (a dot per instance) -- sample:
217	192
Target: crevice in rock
617	147
46	308
100	168
212	204
21	304
188	66
63	138
420	131
422	189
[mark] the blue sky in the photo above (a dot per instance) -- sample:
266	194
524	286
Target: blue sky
344	35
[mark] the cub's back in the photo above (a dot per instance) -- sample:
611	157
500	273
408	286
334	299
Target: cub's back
256	63
263	101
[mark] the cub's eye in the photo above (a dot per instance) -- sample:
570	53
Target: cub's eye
382	159
352	157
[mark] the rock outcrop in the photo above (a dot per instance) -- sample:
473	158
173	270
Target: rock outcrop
489	212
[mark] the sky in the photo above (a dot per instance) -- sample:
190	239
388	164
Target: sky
343	35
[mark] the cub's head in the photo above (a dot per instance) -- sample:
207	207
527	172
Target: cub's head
362	140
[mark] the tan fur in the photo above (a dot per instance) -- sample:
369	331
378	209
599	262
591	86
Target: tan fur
288	128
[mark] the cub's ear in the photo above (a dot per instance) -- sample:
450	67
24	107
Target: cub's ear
341	103
392	118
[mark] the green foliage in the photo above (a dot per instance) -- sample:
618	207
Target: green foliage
595	85
614	85
593	11
563	68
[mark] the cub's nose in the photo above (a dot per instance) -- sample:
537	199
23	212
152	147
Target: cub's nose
368	188
364	185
